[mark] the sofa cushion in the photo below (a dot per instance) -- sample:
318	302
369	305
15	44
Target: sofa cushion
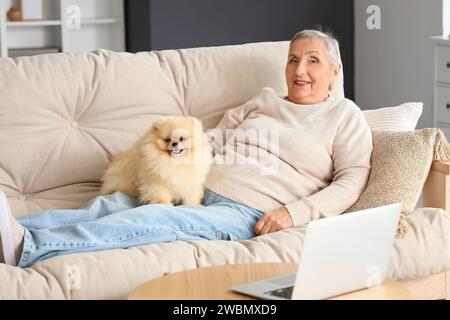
113	274
400	118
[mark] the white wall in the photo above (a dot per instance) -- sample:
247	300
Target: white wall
395	64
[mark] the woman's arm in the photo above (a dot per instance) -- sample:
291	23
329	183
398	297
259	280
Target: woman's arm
352	150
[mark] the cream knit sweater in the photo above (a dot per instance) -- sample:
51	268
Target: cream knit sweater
312	159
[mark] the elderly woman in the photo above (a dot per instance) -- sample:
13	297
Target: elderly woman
323	156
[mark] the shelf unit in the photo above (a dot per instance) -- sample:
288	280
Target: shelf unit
101	25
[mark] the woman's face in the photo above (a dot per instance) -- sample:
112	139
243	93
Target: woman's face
309	72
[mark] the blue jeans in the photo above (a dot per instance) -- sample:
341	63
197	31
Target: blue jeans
117	221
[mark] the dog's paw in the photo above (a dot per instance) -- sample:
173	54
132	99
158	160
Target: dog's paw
155	198
156	201
192	201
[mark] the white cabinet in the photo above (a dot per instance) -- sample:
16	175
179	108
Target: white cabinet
67	26
441	92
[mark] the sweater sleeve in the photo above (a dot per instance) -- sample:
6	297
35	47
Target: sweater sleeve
351	154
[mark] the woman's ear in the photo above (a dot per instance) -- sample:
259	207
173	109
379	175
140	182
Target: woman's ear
335	69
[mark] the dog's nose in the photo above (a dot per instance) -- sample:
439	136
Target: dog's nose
174	144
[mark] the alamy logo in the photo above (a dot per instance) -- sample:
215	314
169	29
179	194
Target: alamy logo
73	277
73	17
256	147
373	276
373	21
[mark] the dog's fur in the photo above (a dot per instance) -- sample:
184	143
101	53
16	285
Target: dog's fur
168	165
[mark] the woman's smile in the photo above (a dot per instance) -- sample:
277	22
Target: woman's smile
302	84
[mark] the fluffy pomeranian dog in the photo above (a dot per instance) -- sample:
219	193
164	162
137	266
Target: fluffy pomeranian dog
168	165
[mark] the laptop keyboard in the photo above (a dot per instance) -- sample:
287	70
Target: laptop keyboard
285	293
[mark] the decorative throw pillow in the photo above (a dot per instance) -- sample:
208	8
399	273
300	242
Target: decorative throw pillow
400	165
400	118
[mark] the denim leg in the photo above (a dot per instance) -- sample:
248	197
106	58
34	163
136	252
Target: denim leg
220	219
94	209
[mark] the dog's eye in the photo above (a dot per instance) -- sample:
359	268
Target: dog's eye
167	140
181	139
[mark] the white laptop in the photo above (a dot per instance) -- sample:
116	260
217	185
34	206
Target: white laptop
340	254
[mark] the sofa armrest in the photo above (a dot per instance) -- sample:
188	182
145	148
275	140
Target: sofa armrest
436	192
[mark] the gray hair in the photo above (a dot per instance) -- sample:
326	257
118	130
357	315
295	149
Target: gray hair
330	42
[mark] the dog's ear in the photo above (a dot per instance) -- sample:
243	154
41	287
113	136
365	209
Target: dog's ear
156	125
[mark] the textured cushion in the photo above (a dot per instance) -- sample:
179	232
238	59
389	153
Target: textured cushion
113	274
400	165
400	118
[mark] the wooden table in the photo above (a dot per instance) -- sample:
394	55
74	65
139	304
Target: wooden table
214	283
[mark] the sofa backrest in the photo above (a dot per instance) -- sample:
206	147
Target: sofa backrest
63	115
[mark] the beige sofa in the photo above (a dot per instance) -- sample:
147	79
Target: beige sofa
63	115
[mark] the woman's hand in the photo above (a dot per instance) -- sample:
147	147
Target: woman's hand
274	221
